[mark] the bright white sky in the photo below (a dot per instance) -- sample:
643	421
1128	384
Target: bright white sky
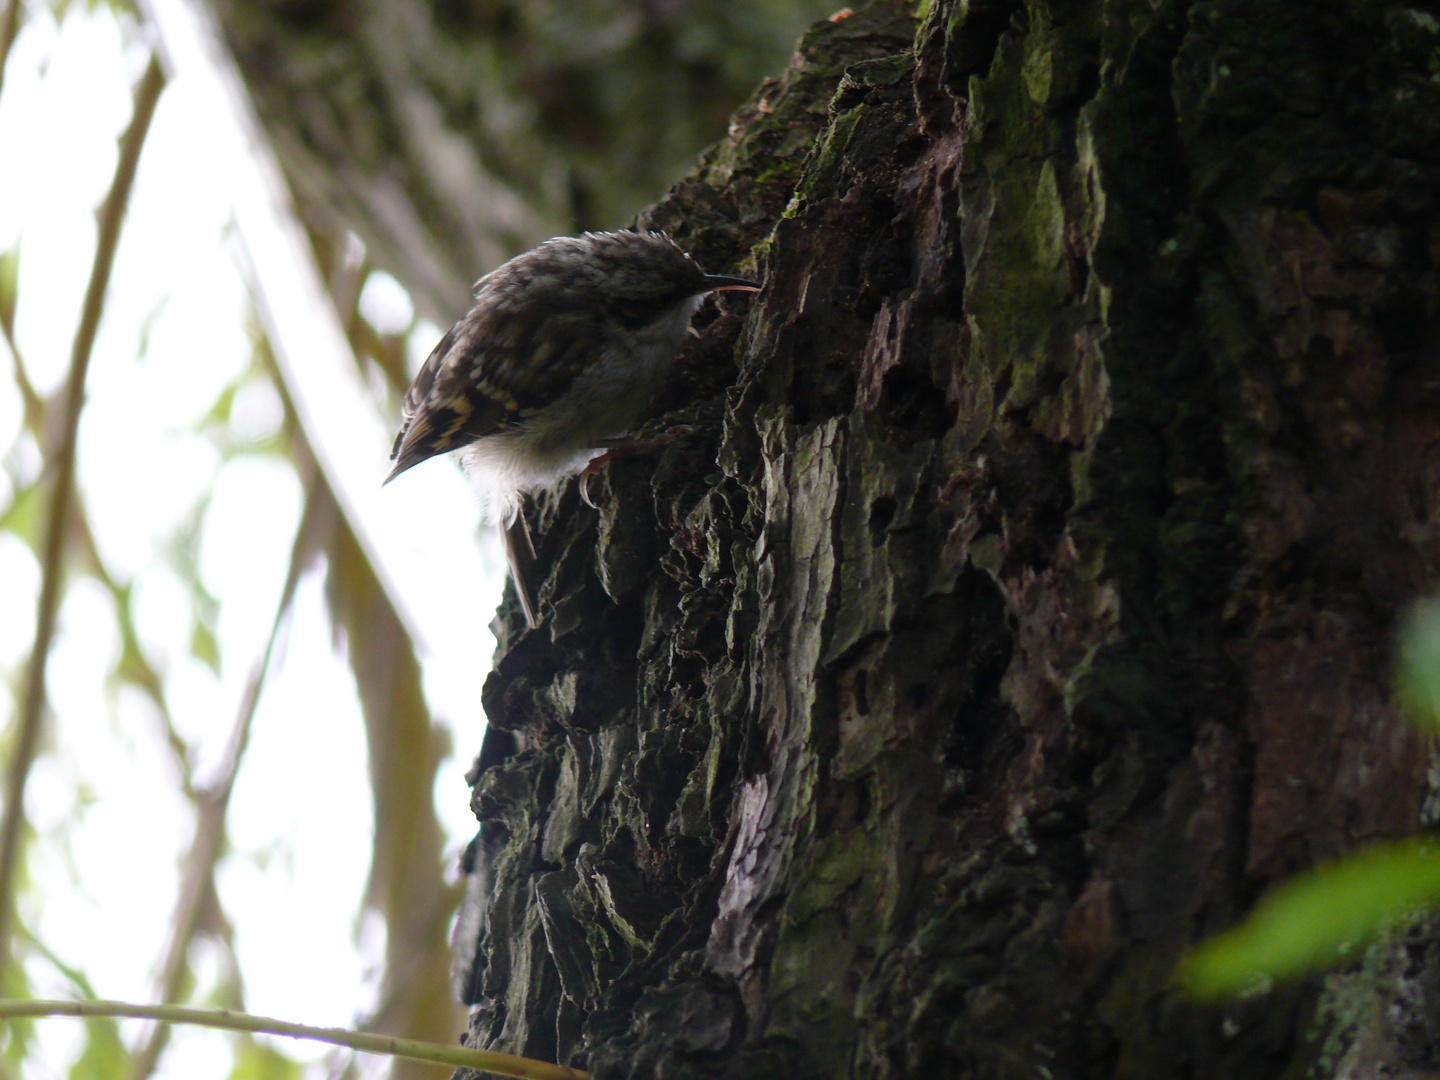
176	331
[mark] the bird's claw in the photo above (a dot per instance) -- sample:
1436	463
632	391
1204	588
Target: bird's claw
623	447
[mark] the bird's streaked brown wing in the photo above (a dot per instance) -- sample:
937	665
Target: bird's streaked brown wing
446	407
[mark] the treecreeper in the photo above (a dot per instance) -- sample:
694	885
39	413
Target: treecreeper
557	358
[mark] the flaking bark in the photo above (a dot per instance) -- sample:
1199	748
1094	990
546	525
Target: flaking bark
1018	607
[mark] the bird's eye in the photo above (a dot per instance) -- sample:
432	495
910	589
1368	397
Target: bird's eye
633	314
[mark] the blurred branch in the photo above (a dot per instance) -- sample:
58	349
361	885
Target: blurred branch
9	288
405	751
405	748
34	404
335	404
8	30
213	800
342	424
112	216
228	1020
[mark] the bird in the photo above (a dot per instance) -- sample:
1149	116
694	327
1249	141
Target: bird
558	356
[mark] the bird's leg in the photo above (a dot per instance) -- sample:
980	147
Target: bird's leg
622	447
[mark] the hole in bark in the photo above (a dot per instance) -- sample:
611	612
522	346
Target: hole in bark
969	686
862	692
882	512
911	402
1003	384
974	42
863	802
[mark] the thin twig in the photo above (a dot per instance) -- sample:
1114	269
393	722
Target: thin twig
34	404
414	1049
112	215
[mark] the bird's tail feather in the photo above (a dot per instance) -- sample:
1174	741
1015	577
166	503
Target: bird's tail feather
520	553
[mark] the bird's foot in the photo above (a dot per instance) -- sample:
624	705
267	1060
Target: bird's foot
623	447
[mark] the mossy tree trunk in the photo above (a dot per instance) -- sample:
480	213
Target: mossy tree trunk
1018	607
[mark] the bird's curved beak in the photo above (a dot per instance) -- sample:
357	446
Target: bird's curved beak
720	283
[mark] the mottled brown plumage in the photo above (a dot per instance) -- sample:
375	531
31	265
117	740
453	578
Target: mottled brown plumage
561	351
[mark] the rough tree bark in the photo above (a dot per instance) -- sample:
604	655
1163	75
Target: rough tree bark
1019	607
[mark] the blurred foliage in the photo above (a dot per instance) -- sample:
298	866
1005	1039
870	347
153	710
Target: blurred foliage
1329	913
452	134
189	741
610	102
254	1061
9	288
104	1057
1417	673
1317	918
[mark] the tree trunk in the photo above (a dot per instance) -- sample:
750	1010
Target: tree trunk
1018	606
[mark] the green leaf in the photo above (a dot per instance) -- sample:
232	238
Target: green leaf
1417	672
25	516
256	1062
17	1038
78	980
104	1056
1316	918
9	287
219	414
204	646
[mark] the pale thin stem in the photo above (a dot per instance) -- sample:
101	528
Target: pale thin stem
34	405
413	1049
32	709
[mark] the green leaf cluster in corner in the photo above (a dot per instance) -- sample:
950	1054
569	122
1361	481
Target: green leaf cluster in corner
1317	918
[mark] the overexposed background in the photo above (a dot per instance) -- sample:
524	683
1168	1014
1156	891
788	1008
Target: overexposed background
191	493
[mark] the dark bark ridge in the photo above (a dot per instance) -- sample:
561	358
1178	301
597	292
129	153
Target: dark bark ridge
1016	609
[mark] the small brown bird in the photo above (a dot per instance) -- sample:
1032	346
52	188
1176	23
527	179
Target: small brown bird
562	350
